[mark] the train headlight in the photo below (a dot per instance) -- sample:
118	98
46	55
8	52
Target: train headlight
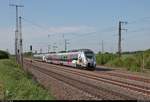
74	61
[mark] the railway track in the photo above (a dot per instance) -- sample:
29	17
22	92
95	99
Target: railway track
120	75
137	88
143	88
93	90
129	77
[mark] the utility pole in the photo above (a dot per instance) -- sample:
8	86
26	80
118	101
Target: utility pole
21	43
16	32
66	43
119	41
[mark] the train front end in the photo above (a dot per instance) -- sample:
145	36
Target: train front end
90	59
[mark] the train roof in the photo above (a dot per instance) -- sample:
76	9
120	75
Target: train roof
76	50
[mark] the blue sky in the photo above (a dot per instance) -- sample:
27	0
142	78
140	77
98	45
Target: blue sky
84	22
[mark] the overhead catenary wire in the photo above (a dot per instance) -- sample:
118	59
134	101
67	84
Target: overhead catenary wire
78	36
74	34
38	26
146	19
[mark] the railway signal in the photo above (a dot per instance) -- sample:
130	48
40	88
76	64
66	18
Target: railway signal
30	48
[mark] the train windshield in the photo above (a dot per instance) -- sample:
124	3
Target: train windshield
89	54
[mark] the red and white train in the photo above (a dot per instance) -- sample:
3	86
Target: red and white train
75	58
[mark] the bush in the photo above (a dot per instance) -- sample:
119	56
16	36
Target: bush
147	63
4	55
134	68
116	63
131	64
129	61
147	59
104	58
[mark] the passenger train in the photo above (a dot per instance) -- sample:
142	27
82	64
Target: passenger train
84	58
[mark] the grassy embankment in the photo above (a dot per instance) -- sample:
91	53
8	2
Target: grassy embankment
137	61
18	85
1	91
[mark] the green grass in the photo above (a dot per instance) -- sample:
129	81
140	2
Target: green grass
19	85
1	91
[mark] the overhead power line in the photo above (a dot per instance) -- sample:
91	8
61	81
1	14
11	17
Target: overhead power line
144	19
38	26
35	24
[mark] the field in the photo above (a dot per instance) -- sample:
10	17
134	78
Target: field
137	61
18	85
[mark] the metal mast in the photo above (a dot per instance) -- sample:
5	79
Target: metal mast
21	43
119	41
16	32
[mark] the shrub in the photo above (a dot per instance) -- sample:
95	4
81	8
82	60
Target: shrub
147	59
129	61
104	58
116	63
134	68
4	55
131	64
147	63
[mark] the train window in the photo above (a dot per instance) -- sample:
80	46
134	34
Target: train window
75	57
65	58
61	57
89	54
